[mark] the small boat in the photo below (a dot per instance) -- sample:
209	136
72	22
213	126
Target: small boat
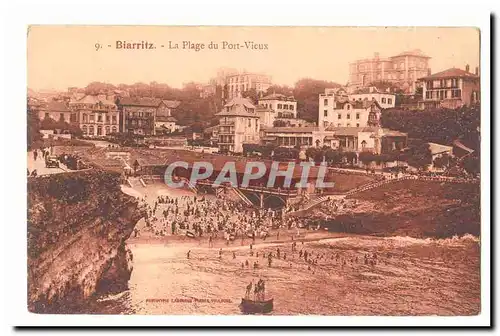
190	234
256	307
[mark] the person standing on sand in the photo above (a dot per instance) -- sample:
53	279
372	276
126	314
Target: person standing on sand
220	253
35	154
188	254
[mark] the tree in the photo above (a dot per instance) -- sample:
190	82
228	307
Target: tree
442	161
350	157
420	157
333	156
279	123
366	158
472	164
252	95
33	128
306	92
311	152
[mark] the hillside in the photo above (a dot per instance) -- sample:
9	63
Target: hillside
414	208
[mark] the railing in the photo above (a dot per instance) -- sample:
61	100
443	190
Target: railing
264	190
242	197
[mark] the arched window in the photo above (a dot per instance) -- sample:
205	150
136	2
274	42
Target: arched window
348	106
91	130
84	130
113	129
363	144
99	130
107	130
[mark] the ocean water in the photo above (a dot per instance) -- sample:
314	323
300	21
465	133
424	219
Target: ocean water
409	276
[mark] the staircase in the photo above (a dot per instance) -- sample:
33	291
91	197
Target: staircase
135	182
241	196
190	185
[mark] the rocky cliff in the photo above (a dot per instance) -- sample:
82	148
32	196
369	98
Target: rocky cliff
77	226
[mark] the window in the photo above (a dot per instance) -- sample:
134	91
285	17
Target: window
348	116
291	107
113	129
325	102
107	130
325	113
279	106
348	125
61	116
91	130
339	116
389	100
107	119
99	118
357	115
401	76
84	130
47	116
91	120
383	100
249	122
348	106
339	125
113	119
357	124
402	65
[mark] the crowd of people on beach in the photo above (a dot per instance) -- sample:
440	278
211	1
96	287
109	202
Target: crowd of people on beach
202	216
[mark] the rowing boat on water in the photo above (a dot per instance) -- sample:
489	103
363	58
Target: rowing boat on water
256	306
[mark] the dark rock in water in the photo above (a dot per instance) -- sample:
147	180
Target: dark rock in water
77	227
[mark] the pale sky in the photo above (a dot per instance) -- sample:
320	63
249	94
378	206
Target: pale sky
64	56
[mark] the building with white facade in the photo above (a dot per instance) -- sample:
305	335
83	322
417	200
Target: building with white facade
339	110
238	124
237	83
384	99
285	107
365	139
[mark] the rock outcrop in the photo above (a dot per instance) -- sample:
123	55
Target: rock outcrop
77	227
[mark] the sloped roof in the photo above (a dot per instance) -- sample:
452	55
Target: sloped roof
240	101
171	103
58	106
92	100
436	148
389	132
140	101
345	131
451	73
277	96
414	52
238	107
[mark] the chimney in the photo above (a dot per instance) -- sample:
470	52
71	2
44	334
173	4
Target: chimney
428	71
467	68
477	71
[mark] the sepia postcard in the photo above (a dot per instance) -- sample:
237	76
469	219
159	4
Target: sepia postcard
254	171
